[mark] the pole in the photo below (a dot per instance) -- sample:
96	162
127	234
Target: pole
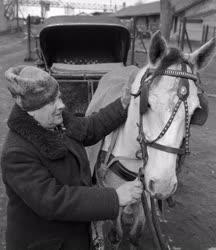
188	40
29	54
133	40
183	33
203	35
206	34
41	5
179	35
17	14
166	18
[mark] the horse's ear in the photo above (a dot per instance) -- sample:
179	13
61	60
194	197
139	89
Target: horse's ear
157	48
201	57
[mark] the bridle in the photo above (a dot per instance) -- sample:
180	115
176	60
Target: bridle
182	93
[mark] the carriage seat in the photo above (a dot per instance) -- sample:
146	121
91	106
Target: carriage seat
98	68
83	60
83	57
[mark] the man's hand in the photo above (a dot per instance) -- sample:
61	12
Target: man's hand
125	98
129	192
126	91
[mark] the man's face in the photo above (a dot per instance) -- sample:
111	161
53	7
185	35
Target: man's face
50	115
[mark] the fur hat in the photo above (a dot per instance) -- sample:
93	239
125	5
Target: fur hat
31	87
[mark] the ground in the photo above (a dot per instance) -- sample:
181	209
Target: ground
191	224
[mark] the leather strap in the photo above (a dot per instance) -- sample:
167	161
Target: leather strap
111	146
117	167
102	170
176	73
167	149
123	172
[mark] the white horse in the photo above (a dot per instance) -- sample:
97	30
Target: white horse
168	77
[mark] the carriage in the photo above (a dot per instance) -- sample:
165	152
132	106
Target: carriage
78	50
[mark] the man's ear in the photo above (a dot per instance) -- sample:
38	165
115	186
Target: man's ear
201	57
157	48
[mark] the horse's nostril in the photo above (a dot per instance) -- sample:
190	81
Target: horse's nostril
151	185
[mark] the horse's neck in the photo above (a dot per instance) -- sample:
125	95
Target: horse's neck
126	144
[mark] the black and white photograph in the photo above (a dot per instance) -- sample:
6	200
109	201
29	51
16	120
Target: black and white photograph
107	124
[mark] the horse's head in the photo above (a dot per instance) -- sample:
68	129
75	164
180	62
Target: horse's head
167	94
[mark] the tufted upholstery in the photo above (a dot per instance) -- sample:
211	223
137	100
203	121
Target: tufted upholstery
84	58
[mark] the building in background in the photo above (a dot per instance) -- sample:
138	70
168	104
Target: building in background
200	18
146	16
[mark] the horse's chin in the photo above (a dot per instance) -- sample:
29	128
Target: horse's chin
162	195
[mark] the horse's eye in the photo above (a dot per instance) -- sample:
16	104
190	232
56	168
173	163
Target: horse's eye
149	106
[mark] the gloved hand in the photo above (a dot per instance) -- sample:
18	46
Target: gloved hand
129	192
126	96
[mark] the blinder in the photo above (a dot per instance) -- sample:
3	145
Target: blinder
200	114
144	92
144	96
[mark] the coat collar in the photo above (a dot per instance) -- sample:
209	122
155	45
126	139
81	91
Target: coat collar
49	143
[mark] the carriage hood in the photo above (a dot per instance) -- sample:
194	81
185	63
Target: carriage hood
84	40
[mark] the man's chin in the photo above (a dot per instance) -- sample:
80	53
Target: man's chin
59	122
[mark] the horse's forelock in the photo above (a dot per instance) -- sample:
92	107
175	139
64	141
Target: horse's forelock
174	56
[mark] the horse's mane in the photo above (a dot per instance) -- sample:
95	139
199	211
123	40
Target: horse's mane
110	87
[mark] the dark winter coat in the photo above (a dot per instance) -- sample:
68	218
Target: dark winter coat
47	179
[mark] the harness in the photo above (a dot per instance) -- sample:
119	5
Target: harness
113	163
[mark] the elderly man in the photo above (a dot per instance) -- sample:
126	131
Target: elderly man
45	167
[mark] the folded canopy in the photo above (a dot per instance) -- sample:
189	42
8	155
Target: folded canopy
84	40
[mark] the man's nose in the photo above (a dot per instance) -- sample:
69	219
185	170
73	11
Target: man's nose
60	104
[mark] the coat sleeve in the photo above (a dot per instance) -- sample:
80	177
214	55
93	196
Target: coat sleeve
48	198
102	123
